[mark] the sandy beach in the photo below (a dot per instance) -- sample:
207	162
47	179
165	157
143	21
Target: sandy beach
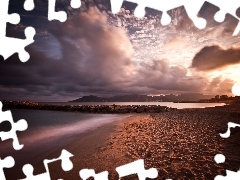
181	144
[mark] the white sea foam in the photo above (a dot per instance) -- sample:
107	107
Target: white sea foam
50	130
49	133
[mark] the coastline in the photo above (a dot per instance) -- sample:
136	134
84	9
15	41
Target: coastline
83	146
106	109
98	109
181	144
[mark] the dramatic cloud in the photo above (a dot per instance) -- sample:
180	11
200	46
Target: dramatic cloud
220	86
176	43
94	57
99	53
214	57
160	75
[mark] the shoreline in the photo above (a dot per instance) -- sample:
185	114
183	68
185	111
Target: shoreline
181	144
81	146
100	109
103	109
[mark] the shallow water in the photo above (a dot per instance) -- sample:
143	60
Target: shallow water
50	130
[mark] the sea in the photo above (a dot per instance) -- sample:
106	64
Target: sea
168	104
51	130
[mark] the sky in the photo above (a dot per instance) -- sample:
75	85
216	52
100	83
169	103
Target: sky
98	53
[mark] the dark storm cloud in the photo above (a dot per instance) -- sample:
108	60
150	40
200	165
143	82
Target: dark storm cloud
220	86
85	55
95	52
214	57
159	75
95	57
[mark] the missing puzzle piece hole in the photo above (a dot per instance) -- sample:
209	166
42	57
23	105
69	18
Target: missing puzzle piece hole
207	12
140	11
116	5
27	169
24	56
29	33
166	19
200	23
219	158
22	125
14	18
219	17
29	5
75	4
213	15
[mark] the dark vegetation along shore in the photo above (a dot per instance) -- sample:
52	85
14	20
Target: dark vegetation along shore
110	109
104	109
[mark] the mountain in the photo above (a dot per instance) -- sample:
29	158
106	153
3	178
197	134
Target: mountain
145	98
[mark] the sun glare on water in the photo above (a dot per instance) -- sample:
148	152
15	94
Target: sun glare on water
236	89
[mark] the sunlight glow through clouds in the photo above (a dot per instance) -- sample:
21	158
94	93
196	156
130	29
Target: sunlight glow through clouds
236	89
230	72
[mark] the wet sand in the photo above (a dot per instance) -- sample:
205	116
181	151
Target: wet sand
181	144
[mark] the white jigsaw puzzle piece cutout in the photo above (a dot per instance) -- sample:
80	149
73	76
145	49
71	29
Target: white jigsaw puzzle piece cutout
29	5
219	158
237	30
9	46
67	165
52	14
87	173
8	162
225	7
138	168
75	4
192	8
61	15
230	125
21	125
229	7
231	175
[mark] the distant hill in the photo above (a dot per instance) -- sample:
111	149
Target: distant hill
145	98
89	99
